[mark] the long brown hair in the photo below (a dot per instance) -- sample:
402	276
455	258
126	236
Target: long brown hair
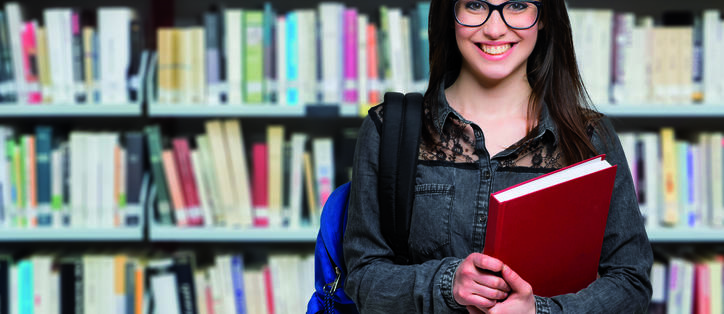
552	73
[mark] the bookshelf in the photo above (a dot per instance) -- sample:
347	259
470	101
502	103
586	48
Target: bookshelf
316	118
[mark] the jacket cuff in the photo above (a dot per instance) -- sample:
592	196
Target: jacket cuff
446	285
542	306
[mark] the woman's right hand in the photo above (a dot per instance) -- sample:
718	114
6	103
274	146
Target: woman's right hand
477	282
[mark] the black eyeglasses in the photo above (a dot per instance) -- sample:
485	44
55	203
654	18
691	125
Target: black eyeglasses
517	14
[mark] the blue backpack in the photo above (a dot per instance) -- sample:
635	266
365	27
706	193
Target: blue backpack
398	158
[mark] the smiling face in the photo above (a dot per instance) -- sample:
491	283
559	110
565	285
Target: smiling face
493	51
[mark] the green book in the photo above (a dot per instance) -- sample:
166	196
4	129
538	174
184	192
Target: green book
384	56
155	147
253	54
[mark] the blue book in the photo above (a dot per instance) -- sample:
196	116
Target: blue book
43	149
423	9
134	177
269	56
237	276
293	59
26	297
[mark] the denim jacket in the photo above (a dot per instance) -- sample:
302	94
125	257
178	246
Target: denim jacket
449	221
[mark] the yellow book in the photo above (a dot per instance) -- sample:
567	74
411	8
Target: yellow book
239	175
184	65
41	37
668	155
223	171
198	65
275	147
314	210
119	274
166	65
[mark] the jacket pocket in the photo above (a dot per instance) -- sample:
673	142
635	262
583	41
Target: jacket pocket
430	221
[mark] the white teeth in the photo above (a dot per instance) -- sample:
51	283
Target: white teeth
495	50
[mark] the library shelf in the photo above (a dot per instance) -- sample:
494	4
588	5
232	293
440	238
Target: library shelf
70	110
41	234
218	234
662	111
686	235
251	110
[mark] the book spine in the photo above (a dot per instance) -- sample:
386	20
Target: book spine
14	23
237	268
153	134
134	176
172	179
261	184
373	65
187	178
7	84
275	174
269	53
269	290
77	46
183	268
292	53
30	65
43	136
281	60
233	20
133	71
253	57
350	56
213	56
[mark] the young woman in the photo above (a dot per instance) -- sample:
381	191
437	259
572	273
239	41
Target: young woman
505	104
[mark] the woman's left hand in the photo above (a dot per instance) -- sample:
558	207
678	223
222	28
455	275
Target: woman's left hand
520	299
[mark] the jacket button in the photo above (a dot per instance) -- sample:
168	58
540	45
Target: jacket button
486	174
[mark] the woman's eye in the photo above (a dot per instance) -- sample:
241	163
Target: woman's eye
475	5
519	6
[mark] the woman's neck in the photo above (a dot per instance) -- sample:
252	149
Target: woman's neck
474	98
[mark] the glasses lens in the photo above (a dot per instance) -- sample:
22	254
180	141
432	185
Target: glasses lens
471	12
520	14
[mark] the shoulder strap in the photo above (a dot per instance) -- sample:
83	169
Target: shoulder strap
398	158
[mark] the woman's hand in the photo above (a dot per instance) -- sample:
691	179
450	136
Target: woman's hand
521	298
476	284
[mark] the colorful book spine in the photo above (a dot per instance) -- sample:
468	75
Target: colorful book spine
187	179
153	134
43	137
292	52
237	275
30	65
213	30
253	57
174	187
78	71
269	53
260	196
135	154
350	56
373	65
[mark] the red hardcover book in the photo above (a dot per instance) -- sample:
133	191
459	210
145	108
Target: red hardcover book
550	229
260	192
182	155
269	289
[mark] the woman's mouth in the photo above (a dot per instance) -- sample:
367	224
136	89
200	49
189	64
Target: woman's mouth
495	50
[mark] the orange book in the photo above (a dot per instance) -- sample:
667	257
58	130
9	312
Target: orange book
373	65
550	229
169	167
138	300
119	274
32	187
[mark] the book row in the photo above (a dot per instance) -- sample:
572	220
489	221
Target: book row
88	179
212	185
123	284
69	59
98	179
679	182
624	58
332	54
687	285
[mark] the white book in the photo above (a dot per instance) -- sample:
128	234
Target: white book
296	182
625	55
396	50
41	283
58	45
54	292
56	185
114	36
91	293
362	86
253	295
198	65
716	285
703	175
406	54
93	183
652	177
107	144
687	296
200	178
324	171
234	52
658	283
164	288
279	282
307	56
185	51
331	37
78	178
5	204
637	62
223	264
712	35
604	27
15	21
281	59
13	289
628	143
215	282
716	170
675	283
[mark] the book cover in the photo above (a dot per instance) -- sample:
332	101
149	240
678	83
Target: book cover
187	178
520	220
362	84
670	176
153	134
213	30
30	65
166	73
114	53
89	64
292	63
234	54
15	18
280	41
237	276
331	37
135	154
275	174
43	138
373	65
207	164
268	38
239	173
183	265
41	38
79	85
174	184
308	56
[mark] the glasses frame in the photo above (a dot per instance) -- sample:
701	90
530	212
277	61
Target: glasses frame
499	8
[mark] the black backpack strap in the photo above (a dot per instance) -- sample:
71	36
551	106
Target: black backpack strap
398	160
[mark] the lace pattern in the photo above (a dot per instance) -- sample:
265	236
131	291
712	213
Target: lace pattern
456	144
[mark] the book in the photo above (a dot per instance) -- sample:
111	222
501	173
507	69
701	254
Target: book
543	217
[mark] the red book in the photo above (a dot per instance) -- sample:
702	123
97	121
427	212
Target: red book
182	155
260	192
550	229
269	289
30	62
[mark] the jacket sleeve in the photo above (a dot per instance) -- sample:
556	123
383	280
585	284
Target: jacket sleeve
626	256
374	282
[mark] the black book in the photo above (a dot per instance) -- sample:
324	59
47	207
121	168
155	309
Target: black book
71	286
135	152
